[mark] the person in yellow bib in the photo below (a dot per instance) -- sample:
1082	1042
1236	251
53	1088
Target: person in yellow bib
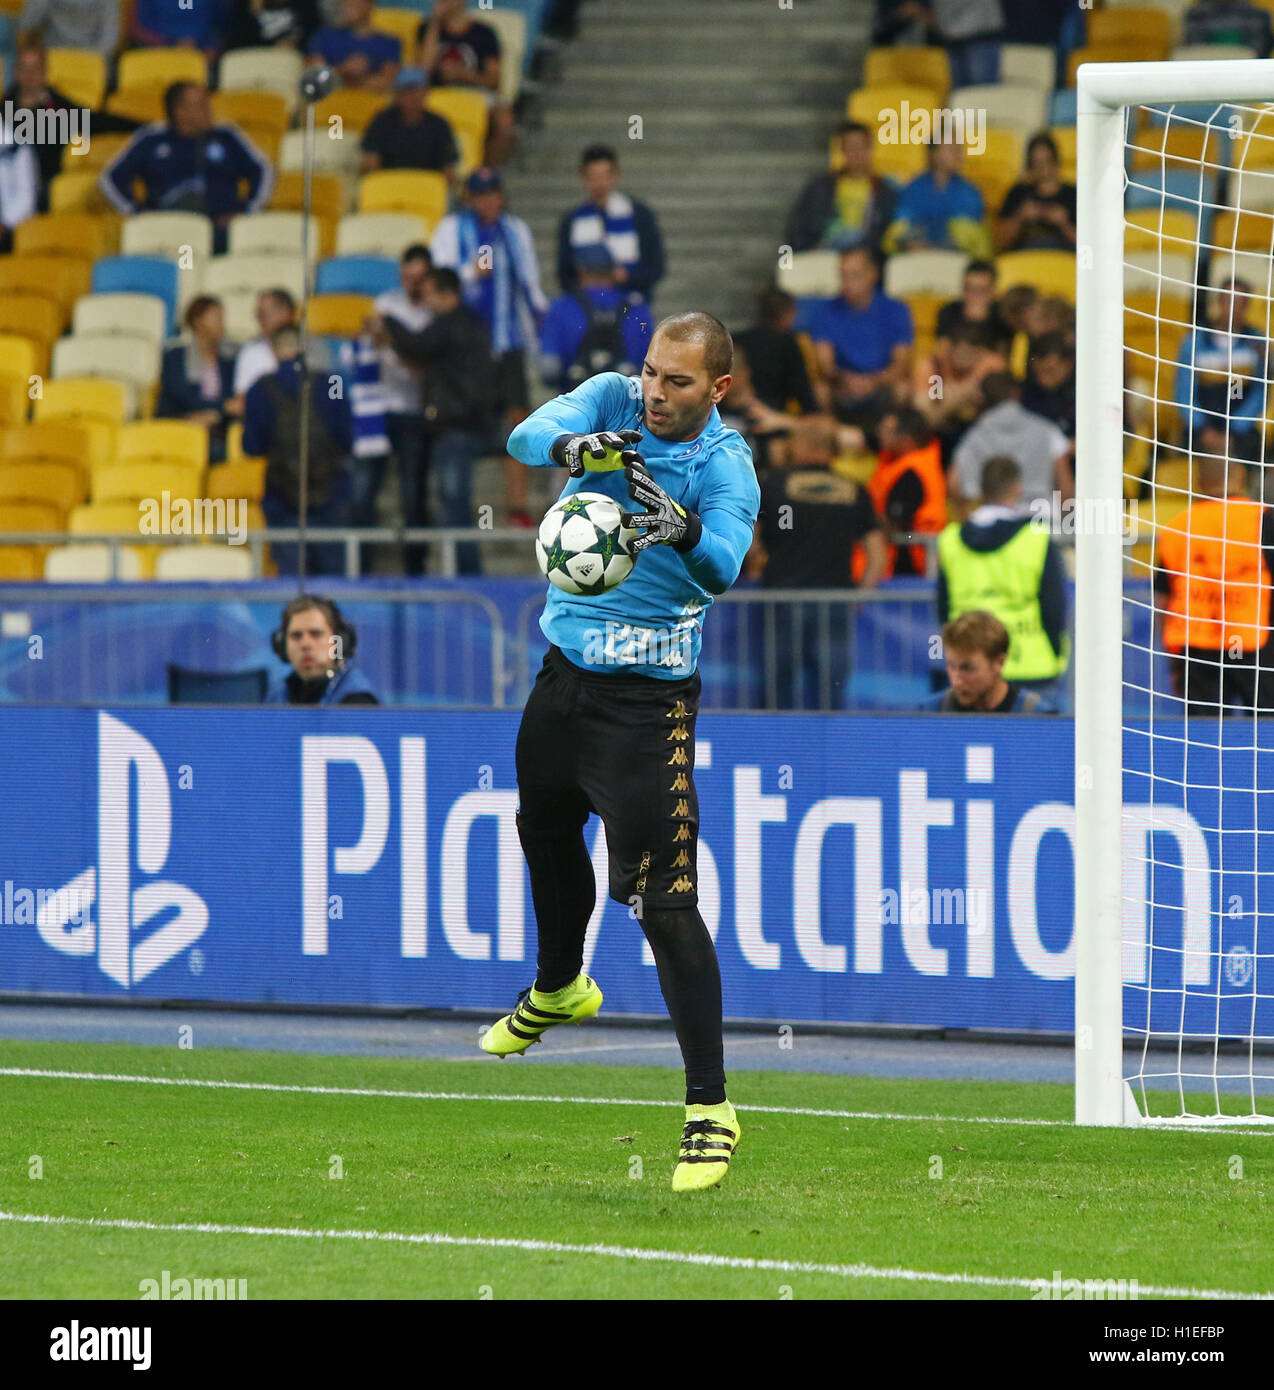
1002	561
1212	587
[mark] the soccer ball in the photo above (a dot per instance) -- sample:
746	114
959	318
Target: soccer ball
582	545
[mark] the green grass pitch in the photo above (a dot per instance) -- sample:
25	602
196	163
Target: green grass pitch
874	1201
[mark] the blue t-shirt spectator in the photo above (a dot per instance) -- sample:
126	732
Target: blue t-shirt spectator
566	324
337	45
863	339
926	211
163	24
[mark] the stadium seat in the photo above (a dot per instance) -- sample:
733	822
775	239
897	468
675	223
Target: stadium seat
145	68
402	24
1175	230
20	562
998	167
909	65
510	30
1028	64
101	150
340	314
1065	138
135	315
62	279
67	234
18	356
262	70
1248	230
34	317
866	103
87	399
135	274
35	516
1007	105
330	195
1123	51
120	358
77	190
273	234
113	519
145	104
249	110
811	274
900	162
1133	22
1051	272
65	442
163	234
244	477
149	441
467	114
1155	271
118	482
1061	107
225	275
379	233
204	562
79	73
90	563
932	272
1210	52
404	190
371	275
340	157
56	484
239	315
1182	146
15	399
354	105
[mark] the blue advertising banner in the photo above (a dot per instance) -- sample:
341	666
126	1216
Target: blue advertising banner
856	869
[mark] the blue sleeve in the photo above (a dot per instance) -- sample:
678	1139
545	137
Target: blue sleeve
604	402
900	323
321	45
728	507
1183	384
254	167
909	207
973	201
258	422
116	180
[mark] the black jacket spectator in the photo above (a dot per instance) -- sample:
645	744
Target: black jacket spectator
815	218
402	143
774	356
458	386
181	382
290	23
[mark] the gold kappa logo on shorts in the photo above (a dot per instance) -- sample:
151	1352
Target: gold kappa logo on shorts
679	783
683	833
645	866
678	711
678	758
682	861
682	885
679	734
682	808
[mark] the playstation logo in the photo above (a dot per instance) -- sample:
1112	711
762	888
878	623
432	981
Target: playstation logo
113	908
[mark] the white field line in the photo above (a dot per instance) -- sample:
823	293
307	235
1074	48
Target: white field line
619	1252
1186	1127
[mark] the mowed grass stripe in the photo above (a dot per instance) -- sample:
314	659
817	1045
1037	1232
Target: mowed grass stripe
620	1252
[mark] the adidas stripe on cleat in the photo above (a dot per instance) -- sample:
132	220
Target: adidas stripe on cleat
708	1142
535	1012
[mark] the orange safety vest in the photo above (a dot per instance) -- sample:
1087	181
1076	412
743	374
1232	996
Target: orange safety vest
931	515
1220	591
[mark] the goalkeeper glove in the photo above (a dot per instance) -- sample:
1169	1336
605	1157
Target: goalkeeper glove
600	452
667	522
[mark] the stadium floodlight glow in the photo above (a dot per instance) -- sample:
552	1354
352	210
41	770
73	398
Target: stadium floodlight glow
1168	804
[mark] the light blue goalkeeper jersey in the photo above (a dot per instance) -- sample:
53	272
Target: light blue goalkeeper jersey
652	622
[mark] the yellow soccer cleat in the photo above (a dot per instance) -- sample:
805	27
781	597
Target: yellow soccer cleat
535	1012
708	1142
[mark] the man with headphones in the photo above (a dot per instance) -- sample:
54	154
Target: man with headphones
319	645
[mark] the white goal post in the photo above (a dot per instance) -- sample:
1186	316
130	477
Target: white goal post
1106	886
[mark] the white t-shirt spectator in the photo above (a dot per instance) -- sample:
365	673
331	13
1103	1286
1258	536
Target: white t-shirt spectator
1010	429
400	384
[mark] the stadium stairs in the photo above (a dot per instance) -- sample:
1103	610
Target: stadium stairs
737	100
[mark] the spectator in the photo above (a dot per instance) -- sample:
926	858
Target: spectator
846	207
811	520
457	50
908	488
1003	560
951	399
1015	306
779	375
1039	315
1038	213
360	363
626	227
400	384
1050	382
360	54
407	136
1220	380
161	24
970	31
319	644
1038	447
189	164
1212	587
976	306
596	329
494	255
975	646
72	24
275	309
272	24
939	209
197	377
460	396
19	185
862	342
272	430
1228	21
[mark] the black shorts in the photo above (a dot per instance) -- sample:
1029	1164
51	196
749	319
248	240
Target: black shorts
510	377
621	746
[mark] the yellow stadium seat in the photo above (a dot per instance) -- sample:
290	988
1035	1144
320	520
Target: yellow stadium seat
15	400
1064	137
903	65
329	194
157	67
34	516
106	518
40	442
1181	145
79	73
245	477
262	70
1245	231
117	482
341	314
467	114
18	356
247	109
86	398
924	313
76	190
145	104
101	150
1139	22
1174	230
997	168
151	440
353	105
20	562
402	24
90	563
67	234
63	279
866	104
423	192
1119	51
60	485
378	234
1051	272
902	163
31	316
234	441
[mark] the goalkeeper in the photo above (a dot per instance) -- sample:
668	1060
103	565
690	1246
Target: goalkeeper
609	726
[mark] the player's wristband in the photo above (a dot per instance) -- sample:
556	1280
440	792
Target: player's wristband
694	531
556	450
